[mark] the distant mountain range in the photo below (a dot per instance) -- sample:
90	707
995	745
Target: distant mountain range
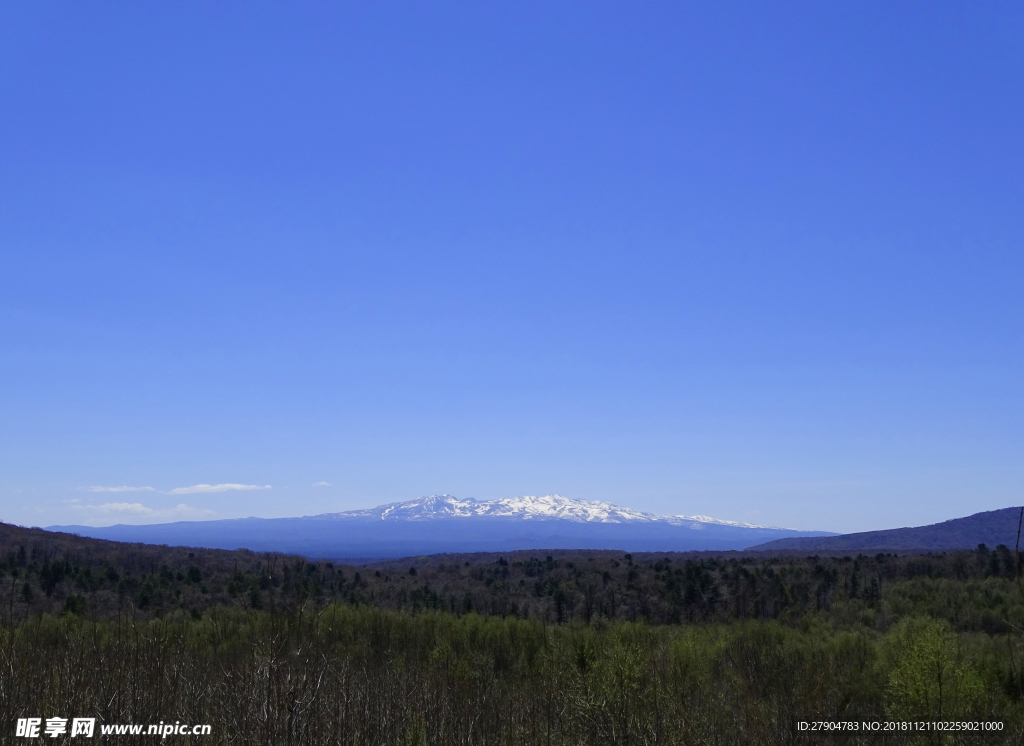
550	507
445	524
992	528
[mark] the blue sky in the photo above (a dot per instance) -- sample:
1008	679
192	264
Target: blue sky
757	262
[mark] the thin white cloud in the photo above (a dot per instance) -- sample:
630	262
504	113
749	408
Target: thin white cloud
132	508
181	510
321	484
101	488
204	488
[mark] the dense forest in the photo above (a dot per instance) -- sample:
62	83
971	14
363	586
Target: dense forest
553	647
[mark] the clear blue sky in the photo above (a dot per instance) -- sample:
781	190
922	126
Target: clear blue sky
757	261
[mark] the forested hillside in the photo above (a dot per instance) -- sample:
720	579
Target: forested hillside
56	573
567	647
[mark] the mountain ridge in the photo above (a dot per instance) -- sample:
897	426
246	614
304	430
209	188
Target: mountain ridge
527	507
439	524
992	528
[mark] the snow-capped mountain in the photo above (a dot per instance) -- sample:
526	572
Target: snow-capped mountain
548	507
444	524
526	508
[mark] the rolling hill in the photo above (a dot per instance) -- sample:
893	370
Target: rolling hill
991	528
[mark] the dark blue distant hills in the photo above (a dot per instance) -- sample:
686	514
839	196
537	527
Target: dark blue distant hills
991	528
444	524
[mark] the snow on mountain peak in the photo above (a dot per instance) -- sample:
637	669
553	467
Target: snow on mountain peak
527	507
709	519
